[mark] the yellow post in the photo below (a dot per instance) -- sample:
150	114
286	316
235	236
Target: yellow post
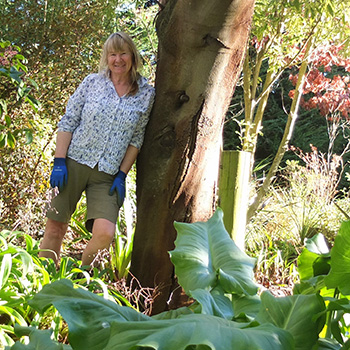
234	193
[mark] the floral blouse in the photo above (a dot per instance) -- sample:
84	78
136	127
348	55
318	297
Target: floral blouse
103	124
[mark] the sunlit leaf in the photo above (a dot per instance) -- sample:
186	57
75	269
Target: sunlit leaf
298	314
214	303
318	245
11	141
39	340
5	269
339	275
197	331
88	315
206	256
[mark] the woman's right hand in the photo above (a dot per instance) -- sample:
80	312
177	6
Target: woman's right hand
59	173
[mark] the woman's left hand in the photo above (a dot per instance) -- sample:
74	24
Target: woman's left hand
119	186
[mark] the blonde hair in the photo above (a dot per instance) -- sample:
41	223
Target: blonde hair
116	42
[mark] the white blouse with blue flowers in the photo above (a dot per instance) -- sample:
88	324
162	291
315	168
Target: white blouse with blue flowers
103	124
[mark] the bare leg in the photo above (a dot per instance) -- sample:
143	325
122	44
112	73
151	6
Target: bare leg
102	236
53	237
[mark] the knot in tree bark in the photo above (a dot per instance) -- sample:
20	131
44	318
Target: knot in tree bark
183	97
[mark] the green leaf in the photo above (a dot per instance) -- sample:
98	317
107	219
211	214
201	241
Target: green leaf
15	75
311	286
318	245
3	139
315	258
203	331
171	314
339	275
330	9
15	315
305	264
214	303
29	136
8	120
33	102
3	107
4	44
19	57
39	340
11	141
297	314
5	269
88	315
346	345
247	305
328	344
206	256
23	91
339	304
312	265
33	83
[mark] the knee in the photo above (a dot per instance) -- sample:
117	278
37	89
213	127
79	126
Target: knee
104	236
55	229
103	230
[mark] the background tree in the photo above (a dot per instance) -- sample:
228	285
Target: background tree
284	35
200	53
327	90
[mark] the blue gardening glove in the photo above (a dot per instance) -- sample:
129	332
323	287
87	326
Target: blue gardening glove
119	186
59	173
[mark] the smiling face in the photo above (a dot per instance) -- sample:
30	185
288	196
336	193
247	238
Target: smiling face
120	61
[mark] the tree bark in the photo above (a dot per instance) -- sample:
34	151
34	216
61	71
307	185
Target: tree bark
201	49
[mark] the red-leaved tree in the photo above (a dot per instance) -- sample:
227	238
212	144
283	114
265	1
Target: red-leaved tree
327	89
327	84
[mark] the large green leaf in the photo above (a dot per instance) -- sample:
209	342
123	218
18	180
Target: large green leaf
214	303
312	286
246	305
39	340
95	324
339	275
204	331
171	314
88	315
301	315
315	258
206	256
318	245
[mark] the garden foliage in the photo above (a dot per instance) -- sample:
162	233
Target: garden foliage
15	90
227	312
23	274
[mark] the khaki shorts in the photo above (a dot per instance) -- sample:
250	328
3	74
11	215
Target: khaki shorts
96	184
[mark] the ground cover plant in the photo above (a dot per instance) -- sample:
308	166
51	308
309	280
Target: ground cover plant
228	312
23	274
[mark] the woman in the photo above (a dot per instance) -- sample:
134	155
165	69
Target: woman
98	140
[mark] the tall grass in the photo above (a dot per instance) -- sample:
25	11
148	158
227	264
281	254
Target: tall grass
303	201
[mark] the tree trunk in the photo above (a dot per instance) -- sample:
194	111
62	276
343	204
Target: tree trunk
201	48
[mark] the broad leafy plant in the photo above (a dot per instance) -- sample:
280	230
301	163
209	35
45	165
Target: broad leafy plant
23	274
227	312
326	272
